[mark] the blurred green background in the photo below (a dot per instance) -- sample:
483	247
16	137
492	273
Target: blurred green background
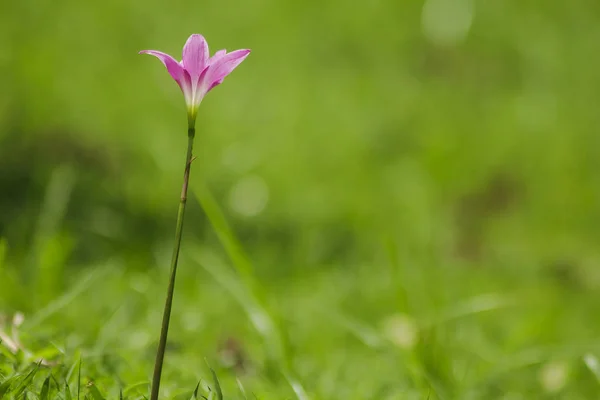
417	184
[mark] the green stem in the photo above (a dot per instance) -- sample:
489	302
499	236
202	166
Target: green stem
162	344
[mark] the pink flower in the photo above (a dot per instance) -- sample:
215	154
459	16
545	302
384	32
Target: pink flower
198	73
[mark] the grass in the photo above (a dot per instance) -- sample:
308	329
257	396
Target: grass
385	205
309	339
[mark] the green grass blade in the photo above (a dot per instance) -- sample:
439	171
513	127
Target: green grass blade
591	361
50	250
94	392
133	387
242	390
26	381
64	300
195	392
5	386
227	238
73	367
268	326
296	387
216	382
67	392
45	391
79	379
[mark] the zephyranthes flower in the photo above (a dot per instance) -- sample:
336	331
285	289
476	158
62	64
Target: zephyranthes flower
198	73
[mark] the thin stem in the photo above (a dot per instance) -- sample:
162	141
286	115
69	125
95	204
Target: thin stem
162	344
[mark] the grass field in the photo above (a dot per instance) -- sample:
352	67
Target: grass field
391	200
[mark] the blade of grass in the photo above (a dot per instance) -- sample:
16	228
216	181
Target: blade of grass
74	365
228	239
128	389
296	387
534	356
217	384
67	298
259	318
591	361
94	392
245	270
242	390
79	379
54	207
45	389
472	306
195	392
26	381
67	392
5	386
257	315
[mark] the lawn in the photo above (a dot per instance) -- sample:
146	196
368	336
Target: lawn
390	200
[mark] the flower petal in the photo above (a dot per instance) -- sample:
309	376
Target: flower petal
221	66
176	71
195	55
217	56
174	68
187	88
